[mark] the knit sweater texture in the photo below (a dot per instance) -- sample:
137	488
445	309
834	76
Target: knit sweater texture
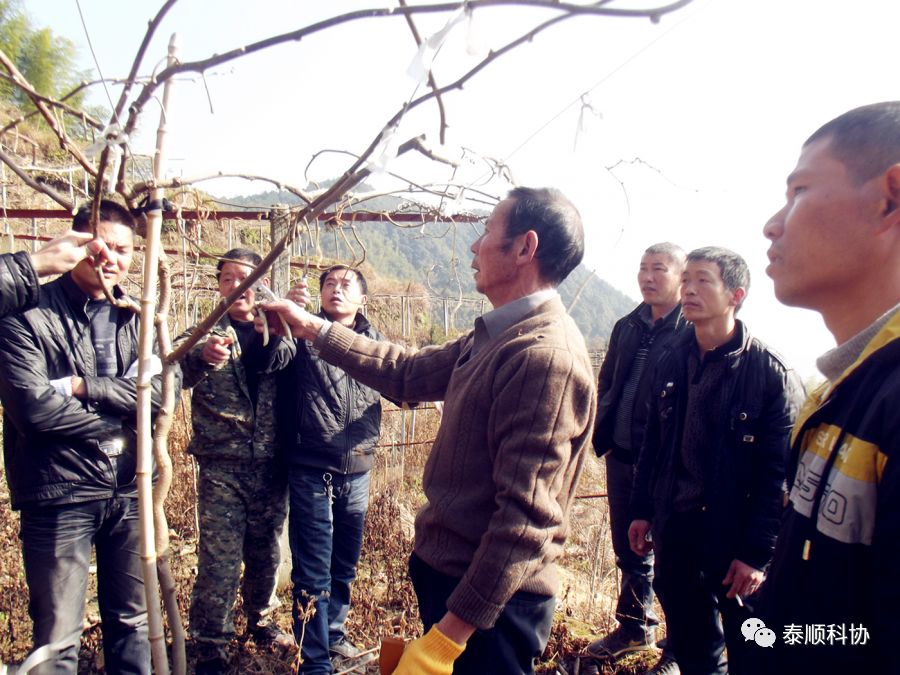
503	469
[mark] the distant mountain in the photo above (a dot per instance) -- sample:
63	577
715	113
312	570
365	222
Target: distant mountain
437	255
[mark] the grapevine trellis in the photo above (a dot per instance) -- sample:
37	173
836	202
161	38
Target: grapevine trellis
108	166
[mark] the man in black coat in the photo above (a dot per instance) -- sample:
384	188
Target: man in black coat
328	424
67	383
623	392
709	479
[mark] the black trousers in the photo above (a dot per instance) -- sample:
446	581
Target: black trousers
700	620
510	647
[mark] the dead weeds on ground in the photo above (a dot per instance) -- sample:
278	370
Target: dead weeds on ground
383	599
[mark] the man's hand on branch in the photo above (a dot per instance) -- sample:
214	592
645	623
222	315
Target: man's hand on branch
301	323
217	350
63	253
299	294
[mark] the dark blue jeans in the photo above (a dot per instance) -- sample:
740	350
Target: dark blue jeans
634	610
325	532
56	547
510	647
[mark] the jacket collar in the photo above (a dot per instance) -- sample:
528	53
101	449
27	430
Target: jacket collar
78	298
737	345
360	322
890	332
673	319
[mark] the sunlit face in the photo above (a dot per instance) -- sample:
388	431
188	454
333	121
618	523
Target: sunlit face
819	249
704	296
232	275
342	295
659	278
494	261
120	241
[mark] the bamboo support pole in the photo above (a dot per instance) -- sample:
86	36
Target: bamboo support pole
144	392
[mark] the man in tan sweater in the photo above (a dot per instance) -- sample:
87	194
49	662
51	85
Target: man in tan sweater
519	408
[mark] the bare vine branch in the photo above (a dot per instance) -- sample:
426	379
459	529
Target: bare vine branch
33	184
45	111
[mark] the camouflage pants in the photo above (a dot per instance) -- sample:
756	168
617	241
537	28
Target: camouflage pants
242	511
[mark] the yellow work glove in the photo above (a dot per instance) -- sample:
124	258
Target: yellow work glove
432	654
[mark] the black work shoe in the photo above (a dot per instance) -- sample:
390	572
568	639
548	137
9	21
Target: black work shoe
214	666
269	633
619	643
666	666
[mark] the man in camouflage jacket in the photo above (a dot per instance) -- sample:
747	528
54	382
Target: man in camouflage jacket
242	491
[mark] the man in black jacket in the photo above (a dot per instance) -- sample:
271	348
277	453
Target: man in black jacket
329	424
67	383
710	474
19	271
623	392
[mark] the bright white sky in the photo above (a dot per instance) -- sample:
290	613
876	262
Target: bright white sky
717	99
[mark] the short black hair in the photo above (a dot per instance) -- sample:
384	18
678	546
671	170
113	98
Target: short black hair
558	225
732	267
241	255
866	140
337	268
110	212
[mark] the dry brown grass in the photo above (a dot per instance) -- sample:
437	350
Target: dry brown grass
383	600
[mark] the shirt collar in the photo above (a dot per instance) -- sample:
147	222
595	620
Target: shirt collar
492	324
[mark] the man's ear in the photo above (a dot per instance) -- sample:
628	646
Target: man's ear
738	295
363	300
527	247
264	281
890	207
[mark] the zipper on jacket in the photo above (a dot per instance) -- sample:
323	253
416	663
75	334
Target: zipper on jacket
345	422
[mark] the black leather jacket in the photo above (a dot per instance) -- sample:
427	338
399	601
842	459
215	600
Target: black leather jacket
52	442
746	478
326	419
623	344
19	287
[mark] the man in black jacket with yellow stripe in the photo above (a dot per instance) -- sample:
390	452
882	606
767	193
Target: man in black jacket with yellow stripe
833	592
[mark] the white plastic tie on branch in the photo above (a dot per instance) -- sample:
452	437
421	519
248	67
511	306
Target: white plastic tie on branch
585	121
453	206
421	63
113	137
385	151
